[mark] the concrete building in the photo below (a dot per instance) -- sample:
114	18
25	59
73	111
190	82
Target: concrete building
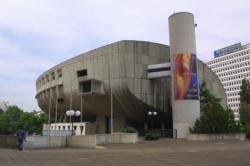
135	76
232	64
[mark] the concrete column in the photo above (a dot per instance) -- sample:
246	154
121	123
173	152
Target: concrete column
184	81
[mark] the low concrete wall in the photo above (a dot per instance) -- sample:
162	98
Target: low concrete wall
8	141
208	137
36	142
86	141
116	138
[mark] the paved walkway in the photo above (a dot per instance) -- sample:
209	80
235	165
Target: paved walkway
156	153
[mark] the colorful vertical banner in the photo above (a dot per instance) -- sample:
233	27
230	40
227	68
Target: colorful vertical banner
185	77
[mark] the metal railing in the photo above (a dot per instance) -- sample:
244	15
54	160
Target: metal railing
57	132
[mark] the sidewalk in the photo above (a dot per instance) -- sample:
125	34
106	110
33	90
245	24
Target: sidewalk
164	152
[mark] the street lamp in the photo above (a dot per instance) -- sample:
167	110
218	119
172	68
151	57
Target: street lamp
73	113
151	114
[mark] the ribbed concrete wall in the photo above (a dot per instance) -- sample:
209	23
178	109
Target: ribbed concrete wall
133	93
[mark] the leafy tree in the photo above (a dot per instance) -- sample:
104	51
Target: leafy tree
214	118
245	91
206	97
245	113
245	102
9	120
1	111
14	118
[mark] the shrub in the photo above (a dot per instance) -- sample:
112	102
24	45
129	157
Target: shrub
129	130
246	129
248	134
151	136
215	120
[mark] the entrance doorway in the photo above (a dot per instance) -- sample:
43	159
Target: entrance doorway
108	124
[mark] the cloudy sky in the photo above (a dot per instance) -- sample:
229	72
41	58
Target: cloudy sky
38	34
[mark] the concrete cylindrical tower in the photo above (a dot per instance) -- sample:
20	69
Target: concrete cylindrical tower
185	83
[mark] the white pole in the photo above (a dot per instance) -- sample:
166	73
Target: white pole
111	97
111	116
56	103
49	109
71	95
111	100
70	106
81	107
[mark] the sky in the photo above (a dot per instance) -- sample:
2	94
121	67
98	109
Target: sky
35	35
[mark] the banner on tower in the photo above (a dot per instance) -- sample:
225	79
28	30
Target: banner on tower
185	77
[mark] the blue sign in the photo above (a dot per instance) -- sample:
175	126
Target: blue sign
227	50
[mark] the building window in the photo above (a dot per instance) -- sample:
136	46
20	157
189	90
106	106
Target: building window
85	87
59	73
82	73
47	78
53	76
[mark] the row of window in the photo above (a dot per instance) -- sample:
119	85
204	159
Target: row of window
49	77
234	72
235	77
233	94
232	83
52	76
225	58
234	105
232	89
236	111
230	62
233	99
229	68
237	117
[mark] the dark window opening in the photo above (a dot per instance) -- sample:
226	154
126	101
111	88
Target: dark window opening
159	69
59	73
60	100
82	73
85	87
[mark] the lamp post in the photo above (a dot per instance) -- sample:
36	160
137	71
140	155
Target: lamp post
151	114
73	113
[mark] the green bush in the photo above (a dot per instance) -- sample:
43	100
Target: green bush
246	129
248	134
14	118
151	136
215	120
129	130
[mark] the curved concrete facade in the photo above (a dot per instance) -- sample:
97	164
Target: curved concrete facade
121	66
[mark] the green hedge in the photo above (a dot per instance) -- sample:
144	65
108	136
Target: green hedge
151	136
129	130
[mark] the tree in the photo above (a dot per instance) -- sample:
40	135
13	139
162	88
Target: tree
9	120
14	118
214	118
245	91
206	97
1	111
245	102
244	113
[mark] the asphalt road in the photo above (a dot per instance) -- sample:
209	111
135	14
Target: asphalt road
163	152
